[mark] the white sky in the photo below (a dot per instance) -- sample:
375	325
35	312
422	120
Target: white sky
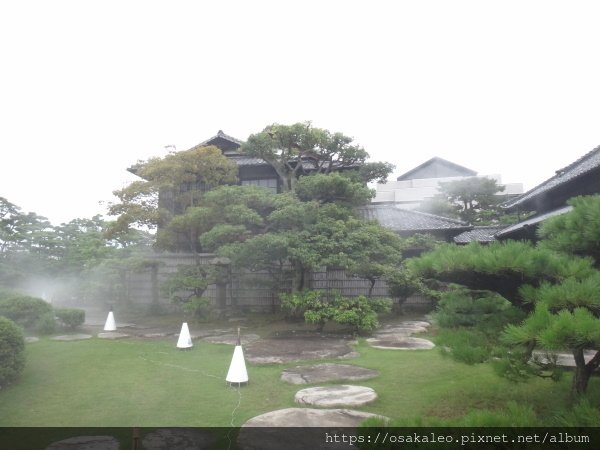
89	87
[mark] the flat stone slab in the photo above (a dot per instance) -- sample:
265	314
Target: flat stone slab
416	323
72	337
231	339
401	343
320	373
112	335
269	351
86	443
401	330
178	438
301	429
336	395
565	359
156	335
31	339
309	417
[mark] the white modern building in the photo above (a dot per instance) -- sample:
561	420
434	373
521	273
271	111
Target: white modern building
422	182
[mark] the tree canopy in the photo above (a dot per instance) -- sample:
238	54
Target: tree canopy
287	147
556	282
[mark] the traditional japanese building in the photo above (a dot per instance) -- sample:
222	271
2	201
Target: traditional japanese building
549	198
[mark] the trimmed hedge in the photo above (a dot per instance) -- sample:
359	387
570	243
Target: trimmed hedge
70	318
12	351
29	312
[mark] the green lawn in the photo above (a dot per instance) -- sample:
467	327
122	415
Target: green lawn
150	383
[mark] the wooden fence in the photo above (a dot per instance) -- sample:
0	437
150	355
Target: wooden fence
245	289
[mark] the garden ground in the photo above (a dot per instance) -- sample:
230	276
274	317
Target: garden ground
147	382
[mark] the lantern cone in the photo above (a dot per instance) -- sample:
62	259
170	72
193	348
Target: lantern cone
237	369
110	324
185	339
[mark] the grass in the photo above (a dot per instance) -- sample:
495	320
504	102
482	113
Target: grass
149	383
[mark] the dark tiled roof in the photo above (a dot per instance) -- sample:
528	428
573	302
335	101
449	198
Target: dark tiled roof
403	220
441	161
222	135
479	234
583	165
506	232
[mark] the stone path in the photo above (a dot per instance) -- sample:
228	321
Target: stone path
309	417
399	336
298	429
320	373
231	339
112	335
565	359
284	350
71	337
340	395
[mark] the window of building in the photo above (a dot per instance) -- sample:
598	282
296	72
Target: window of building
269	183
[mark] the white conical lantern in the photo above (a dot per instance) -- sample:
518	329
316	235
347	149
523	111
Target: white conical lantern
185	339
110	324
237	369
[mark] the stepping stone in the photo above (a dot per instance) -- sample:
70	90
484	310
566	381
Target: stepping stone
72	337
565	359
86	443
320	373
401	330
405	343
155	335
178	438
338	395
309	417
231	339
269	351
112	335
415	323
31	339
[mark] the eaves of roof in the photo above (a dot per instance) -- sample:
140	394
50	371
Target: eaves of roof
584	165
506	232
478	234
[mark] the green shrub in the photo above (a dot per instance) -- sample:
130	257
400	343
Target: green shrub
295	305
29	312
70	318
484	310
199	308
358	312
12	351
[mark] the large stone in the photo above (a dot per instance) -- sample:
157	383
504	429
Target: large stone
300	429
320	373
309	417
86	443
178	438
401	343
112	335
72	337
563	359
31	339
283	350
400	330
337	395
231	339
